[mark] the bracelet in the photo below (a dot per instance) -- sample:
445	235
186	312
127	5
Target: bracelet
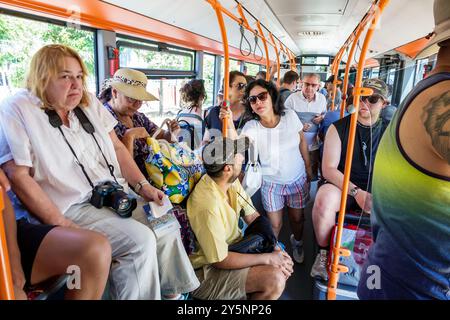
139	185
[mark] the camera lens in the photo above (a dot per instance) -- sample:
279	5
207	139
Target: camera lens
124	204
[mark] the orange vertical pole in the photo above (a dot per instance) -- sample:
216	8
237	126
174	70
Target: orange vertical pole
336	64
226	78
355	40
336	268
6	285
277	52
266	49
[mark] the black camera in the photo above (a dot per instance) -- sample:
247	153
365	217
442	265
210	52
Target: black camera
111	194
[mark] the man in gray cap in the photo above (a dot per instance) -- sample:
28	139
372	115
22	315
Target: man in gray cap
213	209
410	257
369	130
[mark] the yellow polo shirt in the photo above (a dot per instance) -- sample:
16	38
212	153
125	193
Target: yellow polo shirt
215	221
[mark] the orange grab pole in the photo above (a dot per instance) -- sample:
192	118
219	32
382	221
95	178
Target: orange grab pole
217	7
359	31
336	64
277	52
336	268
6	285
266	49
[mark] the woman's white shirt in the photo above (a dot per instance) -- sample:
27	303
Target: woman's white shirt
278	148
29	139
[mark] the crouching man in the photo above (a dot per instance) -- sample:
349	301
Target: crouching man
214	208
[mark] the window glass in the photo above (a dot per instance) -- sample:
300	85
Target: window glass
208	76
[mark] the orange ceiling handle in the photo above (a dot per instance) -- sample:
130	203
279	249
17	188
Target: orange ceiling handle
266	49
6	284
277	52
334	271
226	79
244	19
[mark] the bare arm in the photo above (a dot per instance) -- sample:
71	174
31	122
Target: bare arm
331	157
33	197
235	260
131	172
305	154
250	218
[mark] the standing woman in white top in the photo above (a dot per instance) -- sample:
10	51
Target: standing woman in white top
278	137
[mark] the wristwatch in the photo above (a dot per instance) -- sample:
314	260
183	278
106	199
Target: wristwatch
139	185
354	191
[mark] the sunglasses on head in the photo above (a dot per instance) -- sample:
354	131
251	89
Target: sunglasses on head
241	86
261	97
373	99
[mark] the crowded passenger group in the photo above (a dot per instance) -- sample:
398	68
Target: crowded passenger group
78	176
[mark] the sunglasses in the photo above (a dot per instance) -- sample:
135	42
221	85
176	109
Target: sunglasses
373	99
241	86
261	97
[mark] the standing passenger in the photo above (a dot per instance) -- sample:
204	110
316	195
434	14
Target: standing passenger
411	187
310	106
277	134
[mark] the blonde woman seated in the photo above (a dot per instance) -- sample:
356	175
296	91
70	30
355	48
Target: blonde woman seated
68	167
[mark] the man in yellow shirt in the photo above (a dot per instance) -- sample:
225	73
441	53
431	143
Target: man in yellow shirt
214	208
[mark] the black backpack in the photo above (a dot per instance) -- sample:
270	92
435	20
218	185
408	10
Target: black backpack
187	129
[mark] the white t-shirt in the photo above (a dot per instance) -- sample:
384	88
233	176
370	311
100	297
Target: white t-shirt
29	139
306	109
278	148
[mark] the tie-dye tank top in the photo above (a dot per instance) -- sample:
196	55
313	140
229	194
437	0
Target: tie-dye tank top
410	220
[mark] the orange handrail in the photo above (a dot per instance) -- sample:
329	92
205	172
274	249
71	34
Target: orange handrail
336	268
336	64
6	284
277	52
266	49
226	79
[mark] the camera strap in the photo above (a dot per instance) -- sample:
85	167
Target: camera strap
56	122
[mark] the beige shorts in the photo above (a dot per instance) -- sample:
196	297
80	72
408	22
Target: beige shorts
219	284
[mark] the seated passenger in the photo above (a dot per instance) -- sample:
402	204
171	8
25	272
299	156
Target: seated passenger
277	132
67	165
369	130
38	252
123	96
214	208
214	116
193	94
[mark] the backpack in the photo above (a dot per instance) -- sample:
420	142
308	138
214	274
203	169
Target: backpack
187	134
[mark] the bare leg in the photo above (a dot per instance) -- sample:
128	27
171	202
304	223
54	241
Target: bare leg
296	220
64	247
326	205
265	283
276	219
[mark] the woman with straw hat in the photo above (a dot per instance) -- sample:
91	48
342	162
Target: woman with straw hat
123	95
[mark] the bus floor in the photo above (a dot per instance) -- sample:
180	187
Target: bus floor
300	285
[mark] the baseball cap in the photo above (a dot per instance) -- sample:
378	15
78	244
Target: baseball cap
378	86
221	151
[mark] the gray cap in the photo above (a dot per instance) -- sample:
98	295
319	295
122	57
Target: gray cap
221	151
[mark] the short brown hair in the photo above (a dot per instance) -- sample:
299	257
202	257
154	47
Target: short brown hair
45	64
290	77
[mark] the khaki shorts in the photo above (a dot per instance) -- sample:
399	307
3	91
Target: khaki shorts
219	284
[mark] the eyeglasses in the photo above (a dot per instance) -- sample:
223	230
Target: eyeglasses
373	99
314	85
261	97
132	100
241	86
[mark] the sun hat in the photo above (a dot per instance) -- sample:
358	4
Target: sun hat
442	28
131	83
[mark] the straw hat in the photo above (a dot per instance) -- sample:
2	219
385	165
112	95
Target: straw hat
441	30
132	83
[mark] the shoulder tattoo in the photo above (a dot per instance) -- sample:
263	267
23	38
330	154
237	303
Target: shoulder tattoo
436	118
